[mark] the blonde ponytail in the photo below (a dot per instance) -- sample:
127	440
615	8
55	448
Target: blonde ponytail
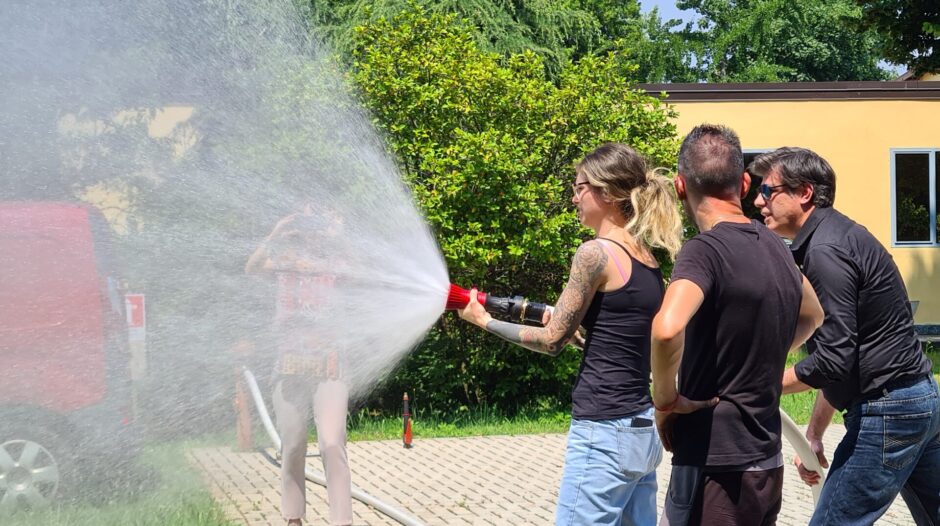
646	199
656	222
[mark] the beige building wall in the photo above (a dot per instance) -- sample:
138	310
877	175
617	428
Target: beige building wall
856	137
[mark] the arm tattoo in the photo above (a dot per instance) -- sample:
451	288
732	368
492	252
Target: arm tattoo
586	271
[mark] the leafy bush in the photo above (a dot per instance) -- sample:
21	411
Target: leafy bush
487	144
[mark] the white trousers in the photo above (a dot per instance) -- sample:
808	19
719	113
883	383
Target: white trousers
293	397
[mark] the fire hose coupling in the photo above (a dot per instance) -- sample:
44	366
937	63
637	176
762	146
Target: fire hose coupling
515	309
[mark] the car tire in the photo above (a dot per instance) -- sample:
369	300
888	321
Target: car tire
36	465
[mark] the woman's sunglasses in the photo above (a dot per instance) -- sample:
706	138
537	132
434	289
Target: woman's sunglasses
576	187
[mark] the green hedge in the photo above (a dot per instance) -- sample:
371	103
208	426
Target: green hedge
487	144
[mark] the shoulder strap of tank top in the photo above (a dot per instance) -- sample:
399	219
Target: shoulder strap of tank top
623	274
625	251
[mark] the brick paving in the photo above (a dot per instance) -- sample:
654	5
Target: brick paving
476	481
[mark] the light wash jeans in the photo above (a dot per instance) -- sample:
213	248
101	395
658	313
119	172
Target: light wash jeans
890	442
610	473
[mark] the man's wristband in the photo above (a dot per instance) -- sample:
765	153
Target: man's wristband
668	407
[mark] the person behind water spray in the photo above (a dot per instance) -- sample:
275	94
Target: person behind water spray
309	371
614	289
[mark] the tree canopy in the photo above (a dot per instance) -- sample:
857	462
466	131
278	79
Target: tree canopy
556	31
732	40
781	41
910	31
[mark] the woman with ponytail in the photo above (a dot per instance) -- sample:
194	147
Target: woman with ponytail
614	289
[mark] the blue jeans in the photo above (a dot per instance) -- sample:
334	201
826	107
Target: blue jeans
890	442
610	473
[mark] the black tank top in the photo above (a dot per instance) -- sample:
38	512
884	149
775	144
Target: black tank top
614	378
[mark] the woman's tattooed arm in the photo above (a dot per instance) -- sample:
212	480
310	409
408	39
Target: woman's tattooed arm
587	270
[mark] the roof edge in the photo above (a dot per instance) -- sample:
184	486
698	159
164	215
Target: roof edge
771	91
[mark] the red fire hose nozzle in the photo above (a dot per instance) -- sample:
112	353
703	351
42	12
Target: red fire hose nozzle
517	309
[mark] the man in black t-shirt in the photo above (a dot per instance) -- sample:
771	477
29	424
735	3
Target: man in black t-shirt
736	305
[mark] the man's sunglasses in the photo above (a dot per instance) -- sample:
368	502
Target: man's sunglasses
766	190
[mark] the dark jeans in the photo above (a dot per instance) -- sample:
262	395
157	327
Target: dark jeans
890	443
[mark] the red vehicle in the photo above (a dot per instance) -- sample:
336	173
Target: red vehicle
64	376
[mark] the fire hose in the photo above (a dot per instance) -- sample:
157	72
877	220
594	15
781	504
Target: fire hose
796	439
315	476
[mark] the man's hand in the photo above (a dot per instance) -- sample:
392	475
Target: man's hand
818	422
811	478
666	420
684	406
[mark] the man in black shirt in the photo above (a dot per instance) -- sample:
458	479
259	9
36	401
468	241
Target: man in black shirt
736	305
866	357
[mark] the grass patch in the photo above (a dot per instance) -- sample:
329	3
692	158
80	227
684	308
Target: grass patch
473	422
366	425
171	493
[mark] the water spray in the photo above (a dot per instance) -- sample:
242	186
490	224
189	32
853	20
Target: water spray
515	309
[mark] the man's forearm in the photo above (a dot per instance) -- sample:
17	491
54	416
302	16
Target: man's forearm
665	358
805	327
821	417
683	299
792	384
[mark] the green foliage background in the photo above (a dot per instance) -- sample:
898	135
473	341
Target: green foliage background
487	144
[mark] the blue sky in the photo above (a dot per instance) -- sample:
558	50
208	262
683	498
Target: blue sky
667	9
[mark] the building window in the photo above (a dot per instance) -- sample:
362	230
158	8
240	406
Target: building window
914	196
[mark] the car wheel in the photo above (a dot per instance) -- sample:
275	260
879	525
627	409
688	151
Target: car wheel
31	470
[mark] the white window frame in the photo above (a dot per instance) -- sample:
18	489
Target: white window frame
758	151
932	174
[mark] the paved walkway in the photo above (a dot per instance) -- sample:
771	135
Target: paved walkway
480	480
